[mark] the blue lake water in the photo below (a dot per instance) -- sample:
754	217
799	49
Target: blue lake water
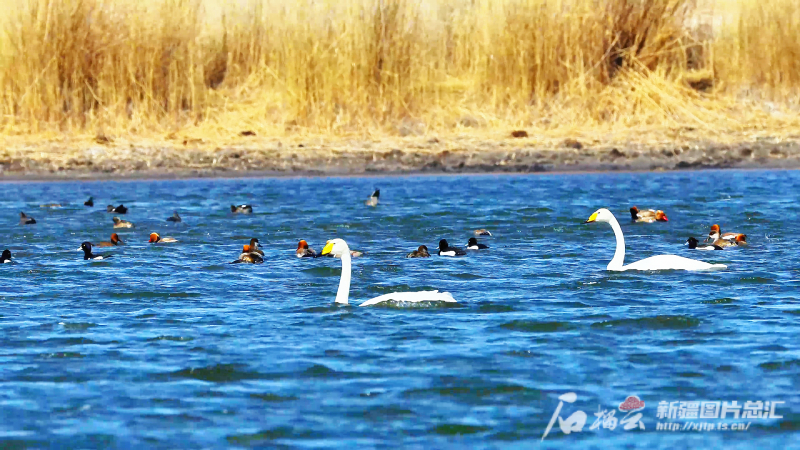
169	346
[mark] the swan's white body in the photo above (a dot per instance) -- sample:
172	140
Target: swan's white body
660	262
339	248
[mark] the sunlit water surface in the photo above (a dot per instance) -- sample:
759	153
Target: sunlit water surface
169	346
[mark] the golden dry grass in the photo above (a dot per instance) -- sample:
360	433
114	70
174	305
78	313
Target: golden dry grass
613	70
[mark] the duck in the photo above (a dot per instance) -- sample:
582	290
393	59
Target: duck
25	220
482	232
250	255
255	247
114	242
660	262
373	199
446	250
648	215
420	252
715	235
242	209
89	202
155	238
121	209
175	217
119	223
692	243
339	249
304	251
472	244
51	205
5	257
87	252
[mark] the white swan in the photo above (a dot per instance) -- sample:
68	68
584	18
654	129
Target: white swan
339	249
660	262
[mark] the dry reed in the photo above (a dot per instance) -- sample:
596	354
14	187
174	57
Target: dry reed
161	69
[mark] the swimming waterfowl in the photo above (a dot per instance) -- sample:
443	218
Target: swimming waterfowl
339	248
446	250
242	209
250	255
304	251
51	205
87	252
255	247
119	223
482	232
155	238
421	252
175	217
121	209
648	215
692	243
373	199
114	242
660	262
714	235
25	220
89	202
472	244
6	256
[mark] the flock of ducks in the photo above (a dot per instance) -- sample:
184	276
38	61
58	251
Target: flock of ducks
338	248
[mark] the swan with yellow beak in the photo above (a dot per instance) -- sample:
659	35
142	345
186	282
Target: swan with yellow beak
660	262
339	249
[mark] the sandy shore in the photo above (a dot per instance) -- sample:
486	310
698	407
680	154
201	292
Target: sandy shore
112	160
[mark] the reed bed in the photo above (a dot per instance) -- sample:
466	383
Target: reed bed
612	69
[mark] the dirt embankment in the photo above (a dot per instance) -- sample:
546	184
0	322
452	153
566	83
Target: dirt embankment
108	160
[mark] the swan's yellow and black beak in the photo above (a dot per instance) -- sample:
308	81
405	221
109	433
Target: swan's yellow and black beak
591	218
328	248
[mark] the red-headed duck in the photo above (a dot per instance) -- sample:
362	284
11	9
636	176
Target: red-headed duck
249	255
25	220
114	242
373	199
482	232
648	215
155	238
242	209
715	234
420	252
120	223
87	252
304	251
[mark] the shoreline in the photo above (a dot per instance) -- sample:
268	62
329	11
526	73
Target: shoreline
364	158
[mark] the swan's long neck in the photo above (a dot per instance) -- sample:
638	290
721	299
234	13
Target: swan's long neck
619	254
344	283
